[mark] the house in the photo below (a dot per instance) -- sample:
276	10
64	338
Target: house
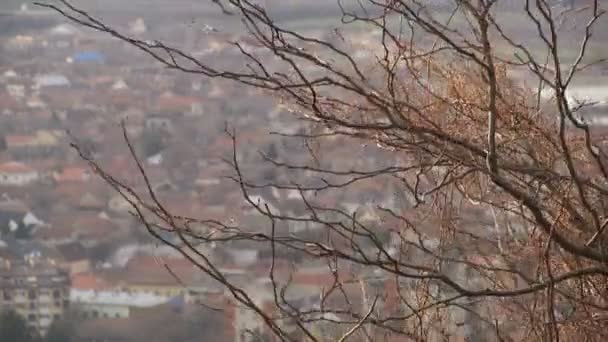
88	281
97	81
50	80
15	141
73	174
17	220
91	229
55	235
16	90
158	121
161	276
88	228
120	84
74	257
36	145
120	99
17	174
172	103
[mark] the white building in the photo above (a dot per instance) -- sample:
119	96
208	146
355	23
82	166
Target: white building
51	80
111	303
9	74
120	85
17	174
64	30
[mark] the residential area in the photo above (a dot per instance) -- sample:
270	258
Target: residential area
72	248
74	240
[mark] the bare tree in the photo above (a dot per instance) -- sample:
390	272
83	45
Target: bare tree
496	227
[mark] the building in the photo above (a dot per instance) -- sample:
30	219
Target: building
17	174
111	303
16	220
50	80
146	275
37	145
166	322
16	90
73	174
35	289
159	122
74	257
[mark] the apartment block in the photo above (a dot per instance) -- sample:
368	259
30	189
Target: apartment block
36	290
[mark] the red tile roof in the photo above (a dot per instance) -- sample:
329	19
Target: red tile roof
44	165
97	80
91	226
55	232
320	278
147	269
150	262
122	167
19	140
123	98
170	102
14	168
88	281
73	174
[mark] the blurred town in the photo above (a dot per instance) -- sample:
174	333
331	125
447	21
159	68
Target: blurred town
70	249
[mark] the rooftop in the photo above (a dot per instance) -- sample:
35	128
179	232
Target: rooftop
41	273
40	138
15	167
50	80
88	281
88	56
73	174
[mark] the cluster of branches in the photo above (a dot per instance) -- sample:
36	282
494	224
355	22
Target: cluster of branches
437	92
